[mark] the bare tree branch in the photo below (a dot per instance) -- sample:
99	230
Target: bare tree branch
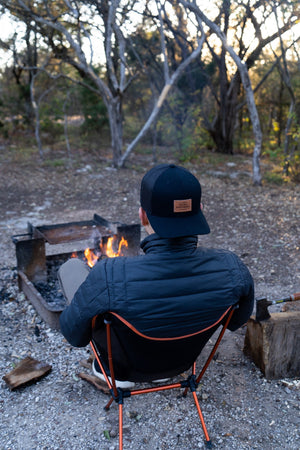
162	97
246	83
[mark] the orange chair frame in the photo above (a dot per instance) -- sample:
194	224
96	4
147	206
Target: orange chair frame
191	383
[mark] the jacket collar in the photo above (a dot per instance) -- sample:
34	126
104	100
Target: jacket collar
155	244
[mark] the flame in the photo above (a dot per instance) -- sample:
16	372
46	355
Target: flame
91	257
109	247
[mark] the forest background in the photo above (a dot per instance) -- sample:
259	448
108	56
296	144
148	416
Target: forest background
110	77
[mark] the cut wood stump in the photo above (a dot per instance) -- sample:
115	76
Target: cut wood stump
28	370
274	344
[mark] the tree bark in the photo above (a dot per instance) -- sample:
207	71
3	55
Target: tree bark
116	130
36	110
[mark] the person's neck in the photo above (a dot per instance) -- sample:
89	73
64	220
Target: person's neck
149	229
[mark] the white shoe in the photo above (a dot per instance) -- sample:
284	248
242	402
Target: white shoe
162	380
119	384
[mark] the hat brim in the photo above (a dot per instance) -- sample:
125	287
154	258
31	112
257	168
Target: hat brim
172	227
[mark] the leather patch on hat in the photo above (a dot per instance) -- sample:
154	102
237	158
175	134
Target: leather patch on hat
183	205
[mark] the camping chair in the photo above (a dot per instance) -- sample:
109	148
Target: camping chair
152	359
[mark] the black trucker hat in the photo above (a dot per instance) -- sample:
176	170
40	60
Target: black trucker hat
171	197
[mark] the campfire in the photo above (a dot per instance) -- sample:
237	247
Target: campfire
37	262
91	256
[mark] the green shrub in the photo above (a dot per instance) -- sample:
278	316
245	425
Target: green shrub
56	163
51	127
274	178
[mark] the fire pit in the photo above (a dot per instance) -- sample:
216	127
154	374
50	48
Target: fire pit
90	240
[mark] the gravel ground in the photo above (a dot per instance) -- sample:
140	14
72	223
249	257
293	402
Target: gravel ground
242	409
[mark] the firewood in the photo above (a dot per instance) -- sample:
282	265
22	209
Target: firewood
28	370
273	344
100	385
87	363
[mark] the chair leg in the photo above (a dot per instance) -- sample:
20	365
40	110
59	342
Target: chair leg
108	404
120	426
208	441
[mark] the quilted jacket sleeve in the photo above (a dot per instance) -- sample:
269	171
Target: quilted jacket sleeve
90	300
246	297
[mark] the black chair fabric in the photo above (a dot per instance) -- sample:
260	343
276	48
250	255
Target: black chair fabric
139	359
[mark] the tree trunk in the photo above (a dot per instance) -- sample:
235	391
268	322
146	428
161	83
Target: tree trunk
116	129
66	131
224	124
280	114
244	75
222	143
223	128
35	108
223	138
287	155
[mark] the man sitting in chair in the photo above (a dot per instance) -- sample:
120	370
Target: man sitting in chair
171	289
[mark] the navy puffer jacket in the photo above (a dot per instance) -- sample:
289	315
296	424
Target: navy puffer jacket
174	289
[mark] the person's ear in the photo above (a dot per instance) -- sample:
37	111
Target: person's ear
143	217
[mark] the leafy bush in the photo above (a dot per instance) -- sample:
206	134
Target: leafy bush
274	177
93	109
53	128
294	162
